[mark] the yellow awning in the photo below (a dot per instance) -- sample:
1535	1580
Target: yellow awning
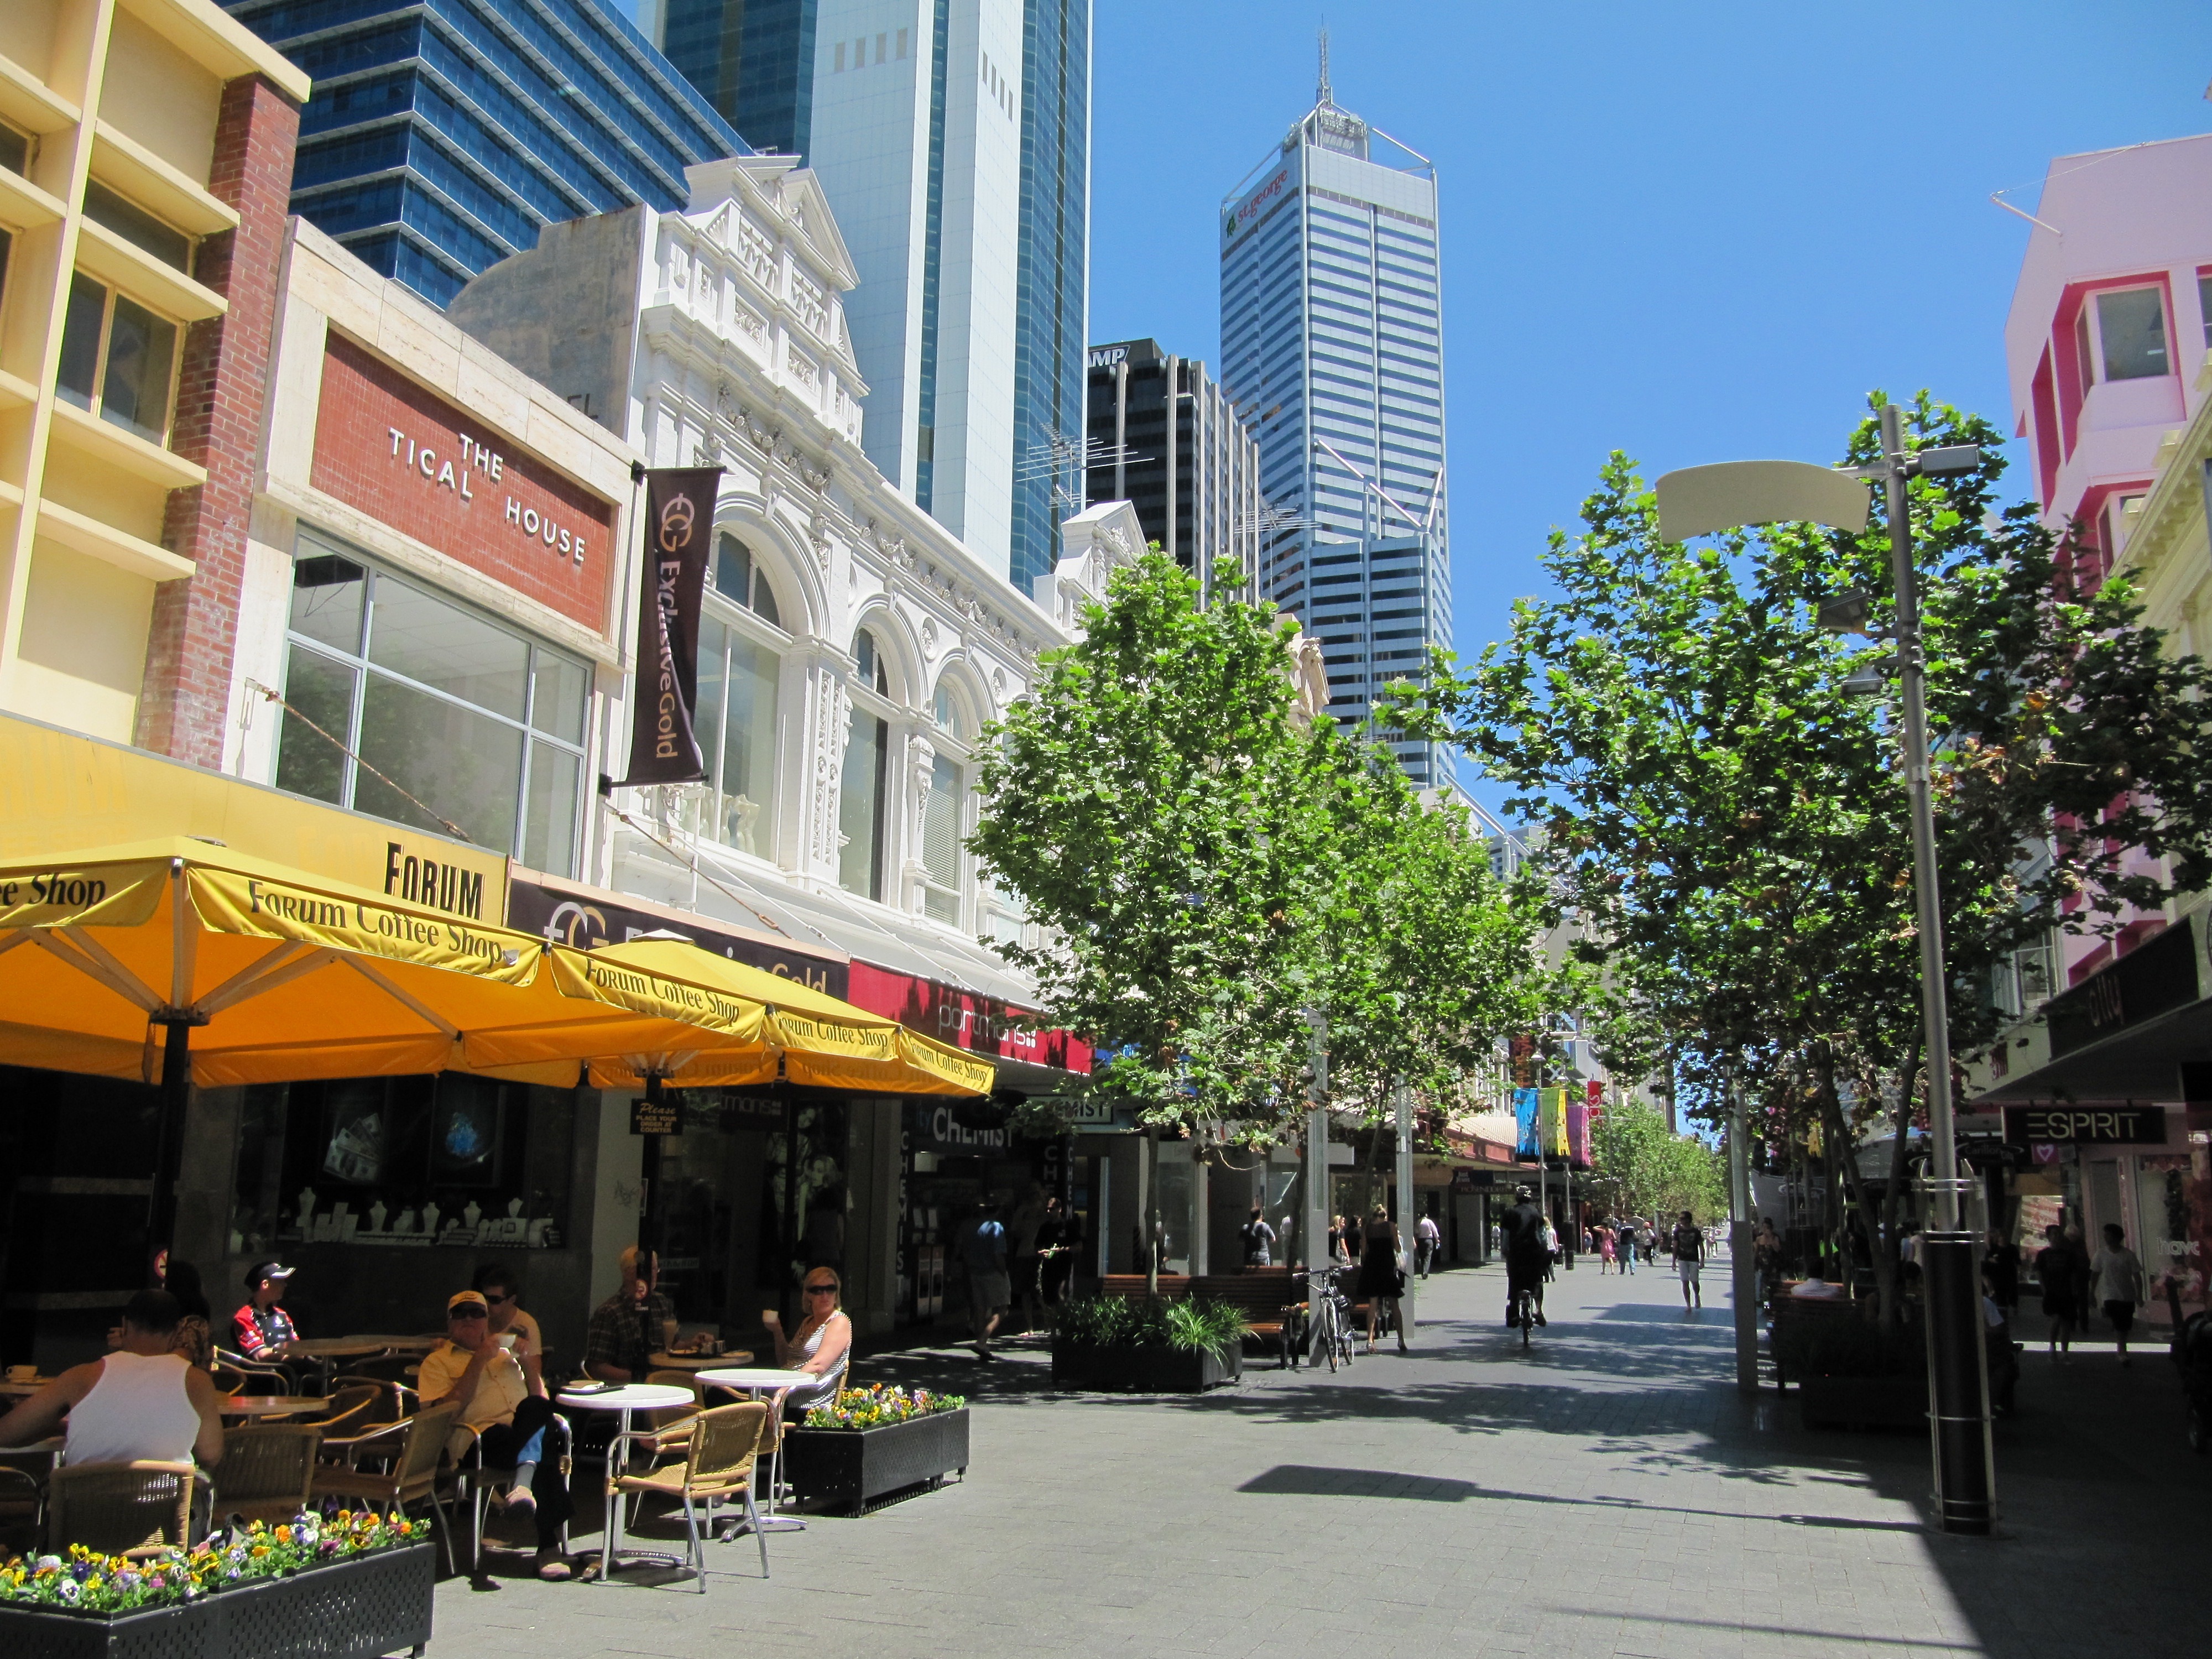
281	977
823	1040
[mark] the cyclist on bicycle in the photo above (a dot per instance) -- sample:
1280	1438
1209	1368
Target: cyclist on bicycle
1528	1259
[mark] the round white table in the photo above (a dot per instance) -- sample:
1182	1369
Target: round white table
753	1381
267	1405
622	1401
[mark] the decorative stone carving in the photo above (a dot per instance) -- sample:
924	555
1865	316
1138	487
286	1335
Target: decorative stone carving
817	532
834	717
921	770
928	636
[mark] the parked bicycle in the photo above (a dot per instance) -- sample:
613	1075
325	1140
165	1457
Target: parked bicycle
1328	1328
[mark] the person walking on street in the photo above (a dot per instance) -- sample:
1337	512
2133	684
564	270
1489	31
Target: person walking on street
2054	1268
1426	1239
1689	1247
1380	1281
984	1248
2118	1280
1259	1241
1603	1234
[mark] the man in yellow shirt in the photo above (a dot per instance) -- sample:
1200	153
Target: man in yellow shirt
502	1390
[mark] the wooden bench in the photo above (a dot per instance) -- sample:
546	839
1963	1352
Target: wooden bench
1267	1297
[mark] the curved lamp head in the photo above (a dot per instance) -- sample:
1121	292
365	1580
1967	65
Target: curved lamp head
1699	500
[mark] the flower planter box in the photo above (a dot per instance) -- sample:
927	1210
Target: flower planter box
1875	1403
360	1609
861	1466
1145	1371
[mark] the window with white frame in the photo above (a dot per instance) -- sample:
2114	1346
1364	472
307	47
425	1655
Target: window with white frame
477	722
740	666
2130	334
864	790
943	827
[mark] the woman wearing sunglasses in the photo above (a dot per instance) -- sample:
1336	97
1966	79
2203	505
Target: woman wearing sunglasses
822	1346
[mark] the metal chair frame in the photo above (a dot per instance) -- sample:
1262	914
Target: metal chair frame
417	1446
697	1486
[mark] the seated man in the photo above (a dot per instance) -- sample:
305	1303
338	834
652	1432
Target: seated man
502	1397
503	1294
143	1401
630	1325
262	1330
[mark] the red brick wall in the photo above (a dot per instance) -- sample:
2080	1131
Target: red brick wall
220	393
409	458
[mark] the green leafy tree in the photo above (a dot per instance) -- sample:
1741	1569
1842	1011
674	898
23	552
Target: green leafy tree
1639	1168
1729	827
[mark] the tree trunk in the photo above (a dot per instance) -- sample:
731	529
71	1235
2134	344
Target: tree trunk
1845	1160
1148	1220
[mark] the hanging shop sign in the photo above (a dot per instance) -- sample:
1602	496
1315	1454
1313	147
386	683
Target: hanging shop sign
445	476
570	913
680	517
2086	1126
655	1117
958	1128
2156	977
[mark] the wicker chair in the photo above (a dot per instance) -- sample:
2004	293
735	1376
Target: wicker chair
413	1447
267	1471
352	1407
22	1510
120	1508
235	1373
393	1400
718	1466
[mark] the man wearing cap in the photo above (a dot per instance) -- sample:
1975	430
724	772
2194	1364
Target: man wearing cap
500	1387
261	1329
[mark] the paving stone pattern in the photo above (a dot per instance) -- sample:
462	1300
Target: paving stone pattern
1610	1494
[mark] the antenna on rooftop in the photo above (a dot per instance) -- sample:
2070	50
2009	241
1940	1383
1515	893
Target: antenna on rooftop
1323	96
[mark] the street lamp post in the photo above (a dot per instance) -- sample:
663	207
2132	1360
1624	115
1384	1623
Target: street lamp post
1697	501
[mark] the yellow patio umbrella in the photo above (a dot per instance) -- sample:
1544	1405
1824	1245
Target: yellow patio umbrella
810	1037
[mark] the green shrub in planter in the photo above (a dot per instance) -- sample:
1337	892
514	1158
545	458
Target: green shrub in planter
1189	1324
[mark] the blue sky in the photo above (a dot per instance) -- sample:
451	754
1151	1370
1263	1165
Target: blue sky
1691	231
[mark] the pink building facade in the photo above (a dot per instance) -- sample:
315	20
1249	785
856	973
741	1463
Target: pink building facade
2110	321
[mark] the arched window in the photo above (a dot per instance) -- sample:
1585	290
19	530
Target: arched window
739	579
864	788
952	712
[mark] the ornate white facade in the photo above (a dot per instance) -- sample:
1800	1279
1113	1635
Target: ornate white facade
848	665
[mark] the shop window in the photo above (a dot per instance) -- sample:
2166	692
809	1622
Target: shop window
941	832
740	581
137	225
119	360
2132	330
736	726
474	721
400	1161
863	795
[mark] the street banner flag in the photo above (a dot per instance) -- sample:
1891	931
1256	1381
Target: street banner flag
679	527
1551	1121
1578	1128
1524	1121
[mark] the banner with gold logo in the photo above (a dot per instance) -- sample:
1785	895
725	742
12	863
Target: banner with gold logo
679	529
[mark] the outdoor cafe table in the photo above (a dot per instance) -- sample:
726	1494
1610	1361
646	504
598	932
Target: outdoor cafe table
753	1381
267	1405
700	1361
623	1400
327	1350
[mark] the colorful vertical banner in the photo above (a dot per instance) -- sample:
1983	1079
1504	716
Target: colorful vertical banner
679	527
1525	1143
1578	1132
1551	1121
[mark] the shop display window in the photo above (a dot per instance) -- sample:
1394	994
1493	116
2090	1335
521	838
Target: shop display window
402	1161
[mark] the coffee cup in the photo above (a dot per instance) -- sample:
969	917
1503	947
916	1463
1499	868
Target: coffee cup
21	1373
506	1338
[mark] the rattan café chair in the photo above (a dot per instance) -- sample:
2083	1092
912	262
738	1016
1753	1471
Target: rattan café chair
22	1511
414	1447
718	1465
120	1508
267	1472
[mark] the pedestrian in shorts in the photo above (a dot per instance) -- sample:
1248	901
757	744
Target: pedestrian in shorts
2118	1276
1689	1245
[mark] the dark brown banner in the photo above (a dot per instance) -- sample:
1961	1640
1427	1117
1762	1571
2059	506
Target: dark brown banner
679	527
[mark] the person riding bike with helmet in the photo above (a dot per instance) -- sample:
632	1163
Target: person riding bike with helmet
1528	1258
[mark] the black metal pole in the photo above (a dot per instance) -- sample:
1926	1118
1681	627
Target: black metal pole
790	1205
169	1133
648	1219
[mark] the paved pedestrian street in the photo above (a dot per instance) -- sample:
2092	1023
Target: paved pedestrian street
1608	1494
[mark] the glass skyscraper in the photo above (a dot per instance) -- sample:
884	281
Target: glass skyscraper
1332	350
441	134
753	60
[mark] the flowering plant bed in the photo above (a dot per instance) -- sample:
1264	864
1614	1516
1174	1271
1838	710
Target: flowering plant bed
878	1405
861	1464
353	1587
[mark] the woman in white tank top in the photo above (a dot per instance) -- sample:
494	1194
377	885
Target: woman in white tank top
822	1346
140	1403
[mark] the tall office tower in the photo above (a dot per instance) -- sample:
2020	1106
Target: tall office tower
1332	349
952	138
1164	440
441	134
753	60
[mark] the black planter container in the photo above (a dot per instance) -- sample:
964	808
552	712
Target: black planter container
1145	1371
1872	1403
859	1467
360	1609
